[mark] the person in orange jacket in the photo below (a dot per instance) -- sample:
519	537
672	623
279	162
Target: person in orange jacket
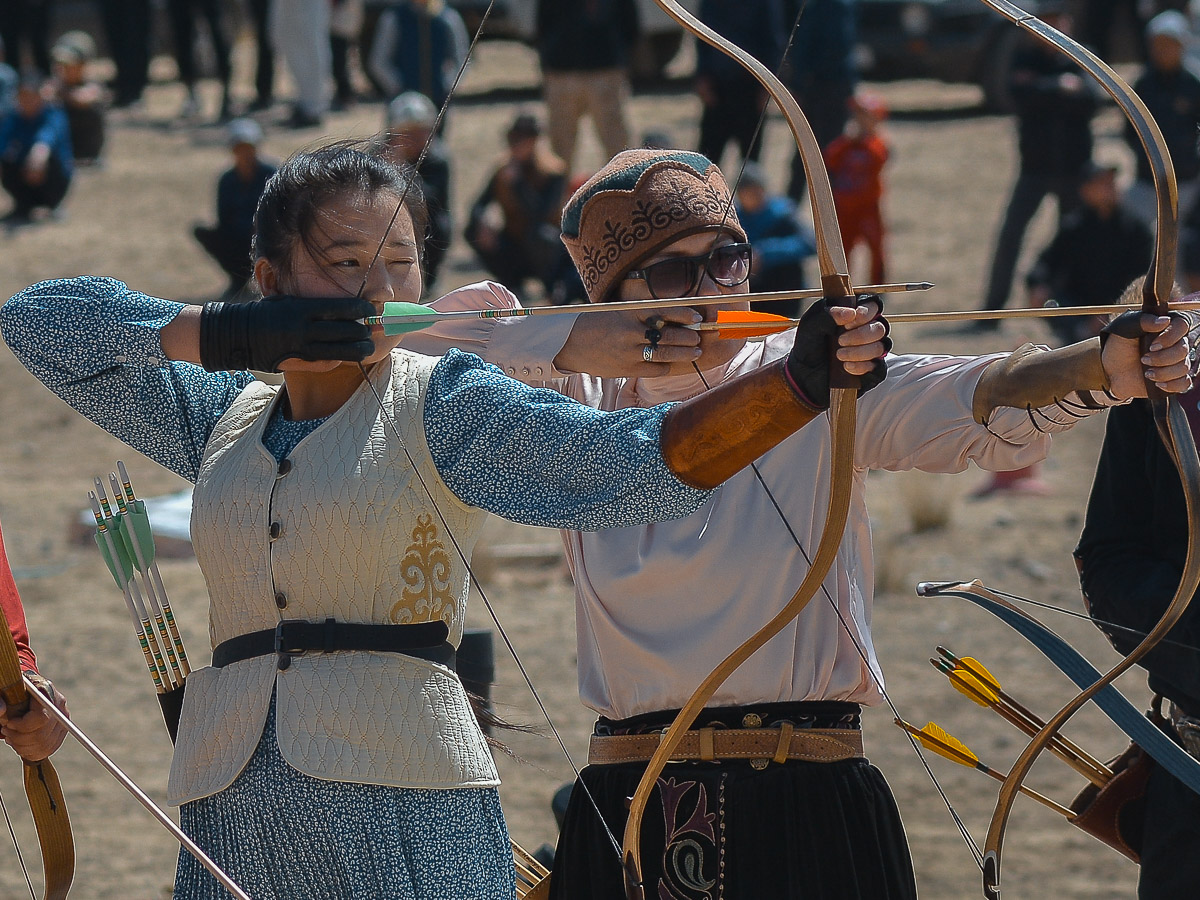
855	161
34	734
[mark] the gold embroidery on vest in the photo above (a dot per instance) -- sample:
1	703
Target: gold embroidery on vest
426	572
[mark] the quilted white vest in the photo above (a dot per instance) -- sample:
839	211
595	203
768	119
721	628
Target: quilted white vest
340	529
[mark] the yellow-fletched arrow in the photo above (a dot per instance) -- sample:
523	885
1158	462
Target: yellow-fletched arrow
972	679
939	741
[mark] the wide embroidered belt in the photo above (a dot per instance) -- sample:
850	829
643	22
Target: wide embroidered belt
759	745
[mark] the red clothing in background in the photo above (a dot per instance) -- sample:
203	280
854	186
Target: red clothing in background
10	602
855	169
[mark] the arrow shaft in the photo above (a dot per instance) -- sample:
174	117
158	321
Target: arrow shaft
634	305
969	315
140	795
1031	719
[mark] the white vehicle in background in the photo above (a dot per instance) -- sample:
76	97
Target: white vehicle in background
517	20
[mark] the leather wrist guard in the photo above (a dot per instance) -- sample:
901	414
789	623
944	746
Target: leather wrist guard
711	437
1032	376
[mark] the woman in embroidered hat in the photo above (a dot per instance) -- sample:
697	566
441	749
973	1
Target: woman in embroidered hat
658	605
329	751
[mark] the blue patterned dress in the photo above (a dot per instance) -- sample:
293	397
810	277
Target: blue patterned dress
530	455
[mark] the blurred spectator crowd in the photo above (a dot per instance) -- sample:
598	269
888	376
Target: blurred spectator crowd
408	54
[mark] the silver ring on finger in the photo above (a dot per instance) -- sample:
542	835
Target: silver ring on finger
648	353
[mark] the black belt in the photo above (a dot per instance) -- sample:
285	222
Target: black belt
296	637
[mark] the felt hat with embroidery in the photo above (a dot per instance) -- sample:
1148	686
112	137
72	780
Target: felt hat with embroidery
640	202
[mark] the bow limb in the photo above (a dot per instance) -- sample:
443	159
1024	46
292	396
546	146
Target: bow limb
835	283
45	794
1171	421
1075	666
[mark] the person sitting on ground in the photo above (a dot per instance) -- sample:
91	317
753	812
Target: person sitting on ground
411	118
1099	248
514	224
781	242
36	163
85	101
230	241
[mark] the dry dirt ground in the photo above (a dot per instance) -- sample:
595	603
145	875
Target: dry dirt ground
947	182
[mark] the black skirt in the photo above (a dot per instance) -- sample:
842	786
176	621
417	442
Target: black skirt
728	831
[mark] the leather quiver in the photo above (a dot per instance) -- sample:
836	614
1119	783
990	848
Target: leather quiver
1114	813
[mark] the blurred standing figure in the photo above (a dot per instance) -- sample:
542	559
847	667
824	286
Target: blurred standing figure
1099	249
264	69
514	225
35	153
344	27
732	98
410	121
1171	91
300	29
84	100
820	71
855	161
419	46
127	27
584	51
781	243
1054	105
231	241
183	27
27	23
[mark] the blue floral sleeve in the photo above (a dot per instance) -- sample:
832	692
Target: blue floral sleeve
537	457
95	343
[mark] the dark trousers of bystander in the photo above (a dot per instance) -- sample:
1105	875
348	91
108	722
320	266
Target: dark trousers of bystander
232	253
49	192
1027	195
127	27
26	23
733	117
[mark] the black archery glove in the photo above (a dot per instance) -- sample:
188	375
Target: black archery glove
813	352
260	334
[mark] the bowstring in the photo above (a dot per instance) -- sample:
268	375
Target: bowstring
16	846
504	636
491	611
1125	629
976	853
875	678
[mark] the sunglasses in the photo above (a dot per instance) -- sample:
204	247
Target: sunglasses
679	276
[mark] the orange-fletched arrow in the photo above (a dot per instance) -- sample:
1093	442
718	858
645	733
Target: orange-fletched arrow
745	323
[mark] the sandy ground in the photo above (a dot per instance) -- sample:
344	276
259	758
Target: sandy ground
948	180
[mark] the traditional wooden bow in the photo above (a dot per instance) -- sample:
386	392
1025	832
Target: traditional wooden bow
1171	421
41	782
835	283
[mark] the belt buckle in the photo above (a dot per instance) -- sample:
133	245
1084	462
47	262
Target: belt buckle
284	654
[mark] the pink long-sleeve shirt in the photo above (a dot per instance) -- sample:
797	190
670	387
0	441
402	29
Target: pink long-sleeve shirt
657	606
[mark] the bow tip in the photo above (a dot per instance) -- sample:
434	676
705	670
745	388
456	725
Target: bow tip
991	876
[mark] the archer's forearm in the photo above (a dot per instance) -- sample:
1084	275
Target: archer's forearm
180	338
1035	377
711	437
